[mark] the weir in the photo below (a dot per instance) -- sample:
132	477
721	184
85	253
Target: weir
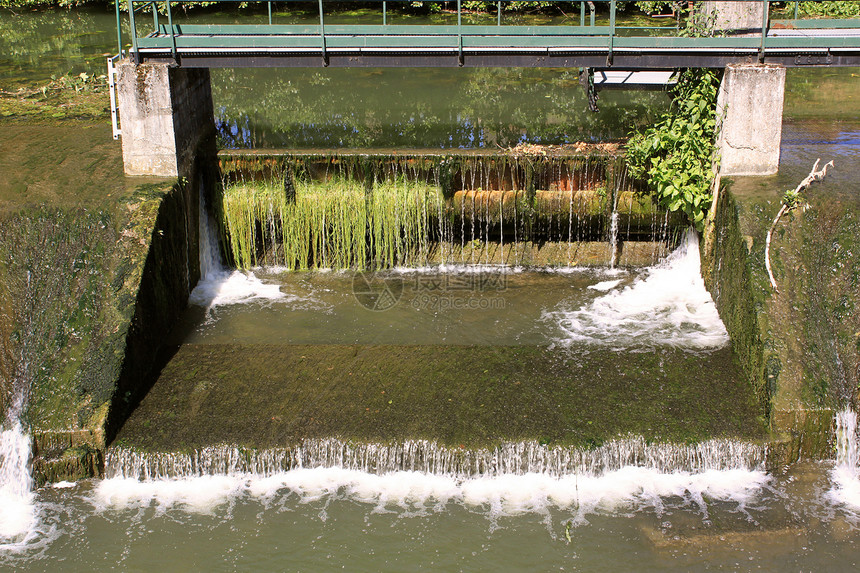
559	206
516	459
383	341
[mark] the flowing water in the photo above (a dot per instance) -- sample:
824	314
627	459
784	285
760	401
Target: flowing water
18	517
626	503
312	518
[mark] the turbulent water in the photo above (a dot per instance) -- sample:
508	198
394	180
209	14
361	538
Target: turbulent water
407	505
511	459
17	510
668	306
312	518
846	474
218	285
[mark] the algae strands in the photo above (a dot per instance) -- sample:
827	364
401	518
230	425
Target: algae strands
337	224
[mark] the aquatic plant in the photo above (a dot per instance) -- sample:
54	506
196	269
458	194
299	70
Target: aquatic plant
337	223
832	8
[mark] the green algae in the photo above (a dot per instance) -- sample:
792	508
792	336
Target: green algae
64	164
351	208
74	250
334	224
471	396
730	275
73	274
31	105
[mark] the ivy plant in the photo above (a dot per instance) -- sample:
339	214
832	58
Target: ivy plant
675	155
832	8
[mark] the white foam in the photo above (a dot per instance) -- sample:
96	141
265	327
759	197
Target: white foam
222	287
668	306
629	487
459	269
219	286
18	514
64	485
846	475
604	286
196	495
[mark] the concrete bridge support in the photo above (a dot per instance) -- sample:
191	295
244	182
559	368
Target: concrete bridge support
749	105
749	124
166	115
738	17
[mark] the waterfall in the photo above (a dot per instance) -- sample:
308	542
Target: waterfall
219	286
17	510
508	480
613	237
846	474
17	507
509	459
668	306
208	251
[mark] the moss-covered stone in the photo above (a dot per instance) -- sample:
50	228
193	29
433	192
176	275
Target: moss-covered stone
93	268
799	346
730	277
473	396
75	463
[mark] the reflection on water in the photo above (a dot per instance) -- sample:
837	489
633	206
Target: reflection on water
443	108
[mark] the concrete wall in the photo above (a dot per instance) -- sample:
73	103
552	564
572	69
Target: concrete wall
166	114
749	112
150	265
760	331
737	16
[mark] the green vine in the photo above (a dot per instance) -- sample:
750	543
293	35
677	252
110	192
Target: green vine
675	155
832	8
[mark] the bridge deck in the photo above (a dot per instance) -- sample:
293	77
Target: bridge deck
788	43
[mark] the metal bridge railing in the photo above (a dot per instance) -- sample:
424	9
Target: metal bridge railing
587	34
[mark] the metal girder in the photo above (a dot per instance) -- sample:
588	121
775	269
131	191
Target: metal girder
818	42
415	41
621	60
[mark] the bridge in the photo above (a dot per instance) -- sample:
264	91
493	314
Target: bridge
580	41
163	84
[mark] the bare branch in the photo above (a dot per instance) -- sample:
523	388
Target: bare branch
767	246
814	175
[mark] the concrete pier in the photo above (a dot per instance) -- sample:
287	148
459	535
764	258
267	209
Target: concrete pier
736	17
749	119
166	115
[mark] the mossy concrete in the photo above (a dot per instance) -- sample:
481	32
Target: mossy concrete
93	269
264	396
552	253
799	347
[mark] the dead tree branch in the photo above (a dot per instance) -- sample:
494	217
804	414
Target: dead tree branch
790	202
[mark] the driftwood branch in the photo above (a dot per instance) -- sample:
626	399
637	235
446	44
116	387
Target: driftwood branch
814	175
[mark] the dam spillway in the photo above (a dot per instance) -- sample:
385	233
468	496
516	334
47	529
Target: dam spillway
375	503
466	355
555	206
